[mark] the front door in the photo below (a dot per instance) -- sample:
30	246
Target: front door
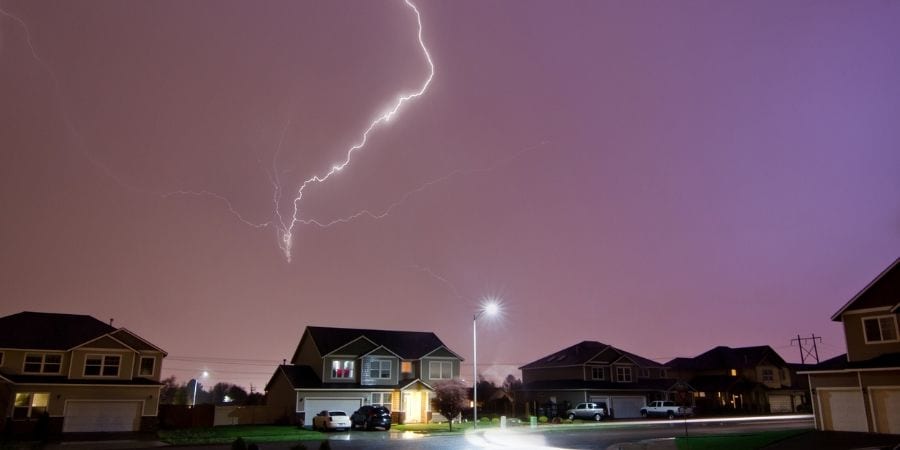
414	406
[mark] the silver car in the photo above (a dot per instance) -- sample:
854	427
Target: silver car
591	411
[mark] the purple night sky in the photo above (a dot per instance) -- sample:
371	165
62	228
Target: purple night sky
661	176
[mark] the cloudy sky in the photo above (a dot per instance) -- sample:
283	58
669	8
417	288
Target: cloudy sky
664	177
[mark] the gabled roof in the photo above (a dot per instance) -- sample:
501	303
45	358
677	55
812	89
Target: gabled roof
305	377
582	352
840	363
884	290
728	358
49	331
406	344
642	384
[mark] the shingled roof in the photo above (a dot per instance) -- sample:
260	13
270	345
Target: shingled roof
406	344
727	358
884	290
583	352
49	331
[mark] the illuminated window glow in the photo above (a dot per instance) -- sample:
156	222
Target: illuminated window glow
342	369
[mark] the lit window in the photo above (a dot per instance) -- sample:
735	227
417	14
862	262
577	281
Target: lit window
381	399
102	365
380	369
148	366
406	367
880	329
42	363
597	373
30	404
342	369
734	372
440	370
623	374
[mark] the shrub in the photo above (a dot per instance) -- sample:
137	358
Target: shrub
542	419
495	421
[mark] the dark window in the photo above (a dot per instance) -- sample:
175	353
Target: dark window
147	366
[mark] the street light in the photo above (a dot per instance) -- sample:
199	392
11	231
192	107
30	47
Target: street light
196	382
491	307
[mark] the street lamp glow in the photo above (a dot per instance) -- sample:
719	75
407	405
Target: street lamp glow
205	374
491	308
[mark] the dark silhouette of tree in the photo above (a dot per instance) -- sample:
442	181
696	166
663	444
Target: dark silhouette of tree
169	391
237	395
450	397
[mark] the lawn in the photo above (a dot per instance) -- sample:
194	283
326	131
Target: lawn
250	433
748	441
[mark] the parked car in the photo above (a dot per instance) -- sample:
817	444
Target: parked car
369	417
665	409
331	420
592	411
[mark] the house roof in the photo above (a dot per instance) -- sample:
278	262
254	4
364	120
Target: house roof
884	361
49	331
62	379
722	357
884	290
405	344
584	351
645	384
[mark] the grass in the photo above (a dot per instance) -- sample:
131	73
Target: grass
748	441
250	433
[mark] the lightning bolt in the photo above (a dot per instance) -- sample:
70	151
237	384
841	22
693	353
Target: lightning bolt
287	229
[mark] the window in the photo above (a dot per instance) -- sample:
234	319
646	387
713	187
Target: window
880	329
768	375
102	365
597	373
440	370
406	367
342	369
30	404
623	374
42	363
381	399
734	372
148	366
380	368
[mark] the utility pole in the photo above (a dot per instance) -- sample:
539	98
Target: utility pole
807	350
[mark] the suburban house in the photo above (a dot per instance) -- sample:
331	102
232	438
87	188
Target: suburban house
754	379
860	391
78	373
591	371
345	368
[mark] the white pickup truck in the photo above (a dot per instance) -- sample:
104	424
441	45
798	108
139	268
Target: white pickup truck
665	409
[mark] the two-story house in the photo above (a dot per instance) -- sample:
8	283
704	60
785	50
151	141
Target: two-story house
860	391
345	368
591	371
754	379
81	373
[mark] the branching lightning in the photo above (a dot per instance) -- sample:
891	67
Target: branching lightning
286	230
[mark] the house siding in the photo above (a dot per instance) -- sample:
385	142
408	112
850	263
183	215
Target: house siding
60	394
426	370
555	373
367	380
281	395
307	354
78	357
857	348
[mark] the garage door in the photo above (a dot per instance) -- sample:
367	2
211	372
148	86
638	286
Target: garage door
780	404
312	406
842	410
886	407
627	407
87	417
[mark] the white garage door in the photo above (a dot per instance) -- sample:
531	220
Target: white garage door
886	407
780	404
627	407
86	416
312	406
843	410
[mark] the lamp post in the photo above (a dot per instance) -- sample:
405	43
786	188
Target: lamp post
491	307
196	382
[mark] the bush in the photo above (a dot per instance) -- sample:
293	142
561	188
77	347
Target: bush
239	444
542	419
495	421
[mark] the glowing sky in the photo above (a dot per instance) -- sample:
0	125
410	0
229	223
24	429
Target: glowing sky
664	177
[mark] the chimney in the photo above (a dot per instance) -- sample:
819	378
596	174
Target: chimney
111	321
